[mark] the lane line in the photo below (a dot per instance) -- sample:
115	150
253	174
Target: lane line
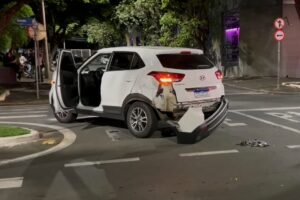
83	117
231	124
244	93
25	109
69	139
113	134
264	109
207	153
31	112
122	160
269	122
22	116
293	146
7	183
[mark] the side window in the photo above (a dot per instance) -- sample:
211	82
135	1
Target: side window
67	62
121	61
137	62
101	61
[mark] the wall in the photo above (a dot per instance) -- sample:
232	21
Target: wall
258	48
291	44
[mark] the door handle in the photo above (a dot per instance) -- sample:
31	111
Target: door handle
128	81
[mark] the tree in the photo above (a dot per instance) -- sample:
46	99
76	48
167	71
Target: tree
66	17
6	15
103	33
136	17
14	35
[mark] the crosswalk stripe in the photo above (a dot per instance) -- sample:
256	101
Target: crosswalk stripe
7	183
293	146
31	112
22	116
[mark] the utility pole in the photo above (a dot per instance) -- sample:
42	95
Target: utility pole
46	40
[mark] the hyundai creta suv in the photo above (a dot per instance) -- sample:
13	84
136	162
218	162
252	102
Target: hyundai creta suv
144	86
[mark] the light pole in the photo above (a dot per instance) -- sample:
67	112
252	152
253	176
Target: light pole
46	40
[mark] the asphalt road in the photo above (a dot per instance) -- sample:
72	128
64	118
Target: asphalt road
106	162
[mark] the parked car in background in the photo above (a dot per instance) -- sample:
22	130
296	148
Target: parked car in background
178	87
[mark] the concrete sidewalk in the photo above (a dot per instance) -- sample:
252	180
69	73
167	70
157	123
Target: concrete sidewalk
265	84
24	93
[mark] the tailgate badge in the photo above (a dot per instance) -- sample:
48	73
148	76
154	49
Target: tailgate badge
202	78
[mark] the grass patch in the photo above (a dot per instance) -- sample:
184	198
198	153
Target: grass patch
6	131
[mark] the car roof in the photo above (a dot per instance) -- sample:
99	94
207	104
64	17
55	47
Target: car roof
152	49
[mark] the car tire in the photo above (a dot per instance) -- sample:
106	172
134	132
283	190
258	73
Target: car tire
64	116
141	120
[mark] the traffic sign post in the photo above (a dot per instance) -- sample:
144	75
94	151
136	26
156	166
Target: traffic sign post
279	35
279	23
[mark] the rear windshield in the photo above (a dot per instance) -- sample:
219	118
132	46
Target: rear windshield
184	61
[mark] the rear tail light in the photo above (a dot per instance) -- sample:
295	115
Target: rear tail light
165	78
219	74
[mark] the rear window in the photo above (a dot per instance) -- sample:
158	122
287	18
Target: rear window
185	61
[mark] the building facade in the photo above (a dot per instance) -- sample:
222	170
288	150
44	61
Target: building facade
249	46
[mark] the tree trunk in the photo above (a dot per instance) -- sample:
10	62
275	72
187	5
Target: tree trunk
127	37
5	18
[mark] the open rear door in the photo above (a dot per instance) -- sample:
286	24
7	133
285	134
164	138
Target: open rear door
67	81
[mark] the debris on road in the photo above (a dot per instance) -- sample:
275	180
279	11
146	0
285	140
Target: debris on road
49	142
254	143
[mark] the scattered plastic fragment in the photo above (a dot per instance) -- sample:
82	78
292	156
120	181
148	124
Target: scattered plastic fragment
49	142
254	143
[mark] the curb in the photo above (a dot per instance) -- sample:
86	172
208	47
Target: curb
4	95
18	140
261	90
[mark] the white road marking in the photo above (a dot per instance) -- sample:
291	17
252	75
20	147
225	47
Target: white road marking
293	146
208	153
7	183
269	122
24	109
244	93
69	139
83	117
113	134
22	116
231	124
294	113
284	116
122	160
265	109
29	112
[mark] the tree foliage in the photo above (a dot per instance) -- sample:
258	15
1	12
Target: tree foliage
14	35
102	33
139	17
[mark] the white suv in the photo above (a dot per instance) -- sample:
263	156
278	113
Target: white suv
147	87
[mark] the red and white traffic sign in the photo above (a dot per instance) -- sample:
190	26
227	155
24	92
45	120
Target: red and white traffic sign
279	35
279	23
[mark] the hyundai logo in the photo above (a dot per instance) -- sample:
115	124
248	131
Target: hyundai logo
202	78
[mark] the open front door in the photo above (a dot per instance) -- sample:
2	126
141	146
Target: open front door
67	81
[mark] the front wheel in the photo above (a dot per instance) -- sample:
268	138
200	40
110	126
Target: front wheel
141	120
64	116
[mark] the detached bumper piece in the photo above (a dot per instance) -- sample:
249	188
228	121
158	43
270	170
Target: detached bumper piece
207	127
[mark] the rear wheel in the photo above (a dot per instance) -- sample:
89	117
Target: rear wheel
141	120
64	116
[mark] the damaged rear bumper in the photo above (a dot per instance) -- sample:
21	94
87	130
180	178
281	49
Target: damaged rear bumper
206	127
